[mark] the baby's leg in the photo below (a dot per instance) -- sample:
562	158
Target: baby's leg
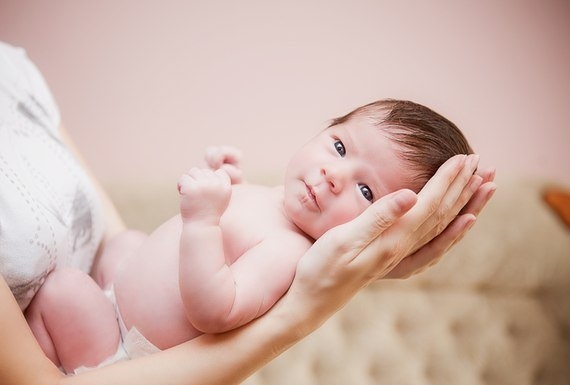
114	253
73	321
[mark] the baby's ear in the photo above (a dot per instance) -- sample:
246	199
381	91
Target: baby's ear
559	200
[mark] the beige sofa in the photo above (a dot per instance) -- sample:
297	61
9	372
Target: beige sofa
496	310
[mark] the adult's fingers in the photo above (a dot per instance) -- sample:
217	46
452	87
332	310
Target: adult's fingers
347	257
362	230
434	191
432	252
380	216
441	199
338	250
448	212
472	199
483	194
460	191
488	174
457	195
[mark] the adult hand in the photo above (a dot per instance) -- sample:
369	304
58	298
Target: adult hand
434	249
397	236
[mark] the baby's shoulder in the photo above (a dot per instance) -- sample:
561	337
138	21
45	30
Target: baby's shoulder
289	240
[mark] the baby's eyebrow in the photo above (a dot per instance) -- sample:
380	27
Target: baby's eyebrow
347	140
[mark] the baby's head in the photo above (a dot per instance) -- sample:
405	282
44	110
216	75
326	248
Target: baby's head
374	150
425	139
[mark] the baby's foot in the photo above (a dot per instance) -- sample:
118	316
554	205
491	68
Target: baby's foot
204	194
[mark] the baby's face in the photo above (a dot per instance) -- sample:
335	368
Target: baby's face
339	173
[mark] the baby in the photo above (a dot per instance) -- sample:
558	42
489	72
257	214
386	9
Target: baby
232	251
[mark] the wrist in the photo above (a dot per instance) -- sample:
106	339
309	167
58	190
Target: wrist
292	320
206	220
281	329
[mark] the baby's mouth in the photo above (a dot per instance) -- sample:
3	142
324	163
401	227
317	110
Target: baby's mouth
311	194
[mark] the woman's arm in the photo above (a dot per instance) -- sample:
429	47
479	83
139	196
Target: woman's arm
22	361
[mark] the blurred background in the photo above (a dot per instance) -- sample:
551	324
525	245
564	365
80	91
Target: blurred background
145	86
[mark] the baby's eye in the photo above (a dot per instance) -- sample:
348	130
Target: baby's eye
366	192
339	147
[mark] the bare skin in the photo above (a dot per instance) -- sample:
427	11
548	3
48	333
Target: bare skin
309	302
220	263
200	271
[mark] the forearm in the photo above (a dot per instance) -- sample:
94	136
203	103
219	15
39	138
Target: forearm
219	359
206	283
21	358
211	359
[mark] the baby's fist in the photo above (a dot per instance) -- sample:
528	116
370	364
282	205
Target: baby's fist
204	194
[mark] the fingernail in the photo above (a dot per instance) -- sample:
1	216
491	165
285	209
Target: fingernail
493	173
473	162
404	197
476	181
471	223
492	191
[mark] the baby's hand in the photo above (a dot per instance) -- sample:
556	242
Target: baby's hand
227	158
204	194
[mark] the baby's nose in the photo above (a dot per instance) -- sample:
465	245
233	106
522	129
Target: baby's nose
335	176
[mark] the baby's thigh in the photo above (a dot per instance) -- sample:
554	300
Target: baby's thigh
79	318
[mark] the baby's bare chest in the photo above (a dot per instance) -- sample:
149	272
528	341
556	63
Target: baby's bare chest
254	214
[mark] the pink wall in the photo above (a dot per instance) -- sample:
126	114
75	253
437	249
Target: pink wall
144	86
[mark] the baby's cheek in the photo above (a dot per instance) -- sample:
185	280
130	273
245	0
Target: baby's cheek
345	213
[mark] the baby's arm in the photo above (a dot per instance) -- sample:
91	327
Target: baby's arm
204	277
218	296
227	158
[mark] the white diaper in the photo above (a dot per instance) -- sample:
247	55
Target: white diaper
132	345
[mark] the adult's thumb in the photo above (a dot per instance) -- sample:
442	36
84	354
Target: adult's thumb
383	213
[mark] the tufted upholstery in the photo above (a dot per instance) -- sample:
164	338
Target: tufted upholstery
496	310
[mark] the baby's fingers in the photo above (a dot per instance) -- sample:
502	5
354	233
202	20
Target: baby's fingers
216	156
235	173
202	178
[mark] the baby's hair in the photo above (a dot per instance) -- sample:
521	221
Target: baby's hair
427	138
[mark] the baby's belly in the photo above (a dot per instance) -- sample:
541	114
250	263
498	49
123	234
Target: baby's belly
147	290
